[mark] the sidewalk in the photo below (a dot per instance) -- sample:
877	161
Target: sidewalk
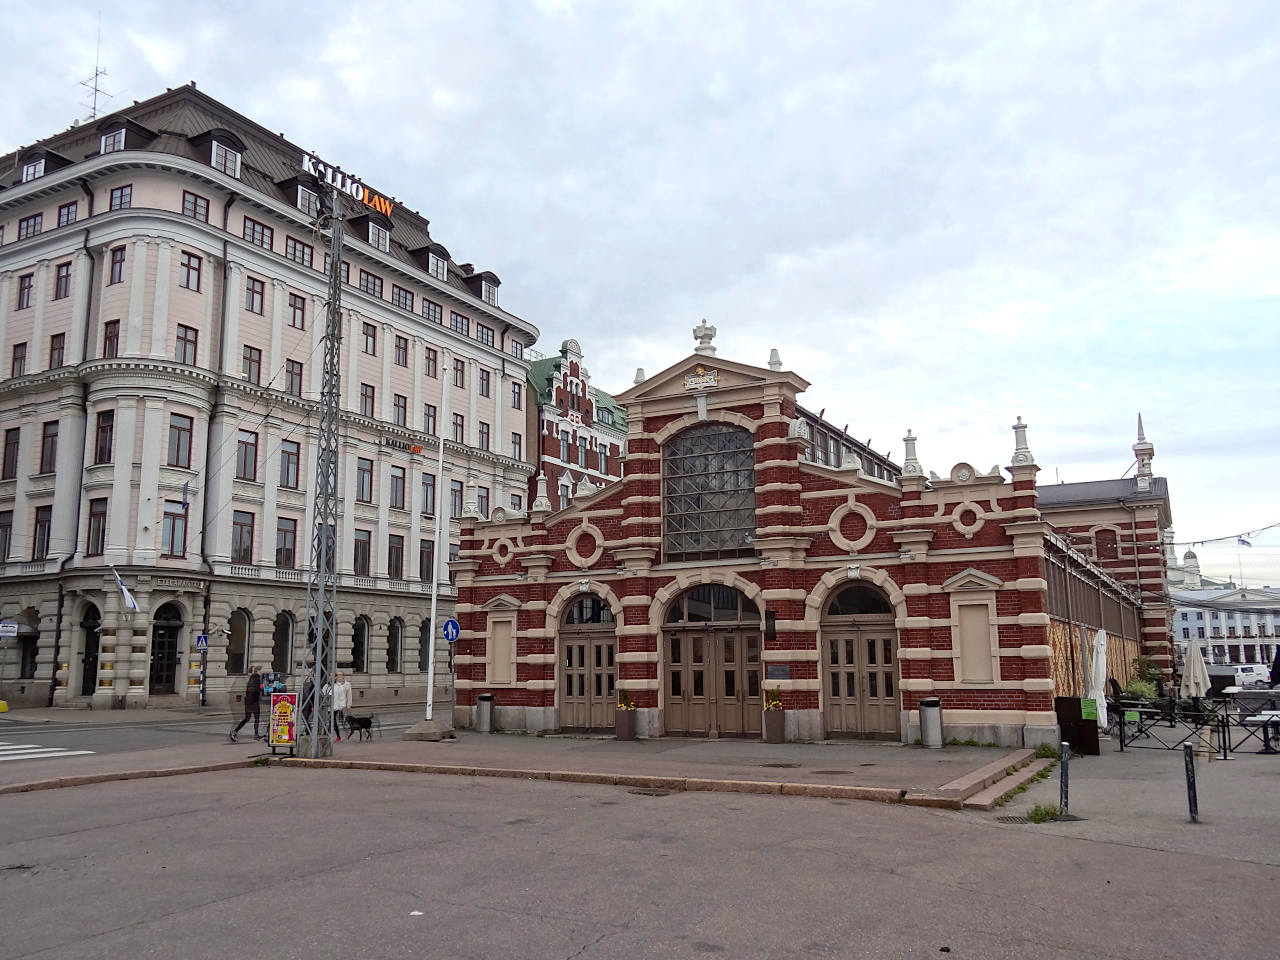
881	771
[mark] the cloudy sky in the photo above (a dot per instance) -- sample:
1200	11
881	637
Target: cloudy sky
944	215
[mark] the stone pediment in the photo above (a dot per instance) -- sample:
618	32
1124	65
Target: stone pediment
501	601
699	373
972	579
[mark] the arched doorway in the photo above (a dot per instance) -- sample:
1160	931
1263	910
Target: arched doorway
91	635
166	627
588	665
711	646
282	643
238	641
860	673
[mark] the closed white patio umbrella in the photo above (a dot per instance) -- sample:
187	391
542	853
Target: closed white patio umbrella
1195	675
1098	676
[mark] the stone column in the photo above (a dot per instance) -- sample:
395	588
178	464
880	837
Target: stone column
352	377
137	289
275	358
388	342
379	547
219	476
6	307
413	500
150	509
109	668
348	482
270	478
501	442
160	308
40	296
23	521
64	538
418	347
319	317
230	348
469	437
122	492
140	647
79	306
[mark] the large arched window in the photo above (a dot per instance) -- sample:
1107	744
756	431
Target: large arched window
282	643
395	643
708	493
360	631
859	598
589	609
238	641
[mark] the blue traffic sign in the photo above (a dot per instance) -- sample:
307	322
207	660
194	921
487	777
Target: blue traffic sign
202	641
451	630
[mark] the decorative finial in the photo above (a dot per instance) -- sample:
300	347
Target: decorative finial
1144	450
704	333
541	503
1021	452
775	361
910	465
639	375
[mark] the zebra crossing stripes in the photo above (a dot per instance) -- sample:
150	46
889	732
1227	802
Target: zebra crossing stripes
33	751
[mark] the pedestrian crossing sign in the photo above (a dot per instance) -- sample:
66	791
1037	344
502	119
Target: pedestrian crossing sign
202	641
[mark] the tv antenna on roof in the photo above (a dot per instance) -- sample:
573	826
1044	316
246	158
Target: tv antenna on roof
99	71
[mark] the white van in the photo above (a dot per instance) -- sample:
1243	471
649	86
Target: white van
1241	674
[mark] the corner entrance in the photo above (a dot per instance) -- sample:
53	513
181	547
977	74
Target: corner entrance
90	625
588	666
860	674
711	648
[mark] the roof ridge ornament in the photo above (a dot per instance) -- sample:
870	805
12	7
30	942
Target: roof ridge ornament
1021	452
1144	450
775	361
910	465
704	333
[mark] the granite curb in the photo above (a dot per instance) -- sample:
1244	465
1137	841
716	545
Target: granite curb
85	779
641	781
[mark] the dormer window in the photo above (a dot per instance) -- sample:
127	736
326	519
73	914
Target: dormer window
517	349
111	142
226	160
438	267
308	202
379	237
32	170
490	292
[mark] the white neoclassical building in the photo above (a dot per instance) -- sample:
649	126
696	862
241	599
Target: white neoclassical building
162	305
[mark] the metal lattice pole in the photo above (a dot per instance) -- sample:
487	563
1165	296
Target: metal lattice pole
316	739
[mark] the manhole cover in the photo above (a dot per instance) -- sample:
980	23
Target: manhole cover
781	766
644	792
1012	819
833	773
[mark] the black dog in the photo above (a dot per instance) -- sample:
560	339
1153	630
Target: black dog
361	725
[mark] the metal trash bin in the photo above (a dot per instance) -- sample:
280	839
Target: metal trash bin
931	723
484	713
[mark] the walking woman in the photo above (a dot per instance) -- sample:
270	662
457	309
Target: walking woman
341	702
252	700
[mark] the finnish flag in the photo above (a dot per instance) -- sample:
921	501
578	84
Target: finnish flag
129	600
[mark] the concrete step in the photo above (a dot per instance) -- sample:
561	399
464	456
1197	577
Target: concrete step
986	799
952	795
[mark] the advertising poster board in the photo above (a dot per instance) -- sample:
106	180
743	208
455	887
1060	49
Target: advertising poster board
282	731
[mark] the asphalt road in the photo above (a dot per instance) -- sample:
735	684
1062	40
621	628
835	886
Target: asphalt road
280	862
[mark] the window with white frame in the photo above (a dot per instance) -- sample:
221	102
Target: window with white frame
308	201
379	237
438	267
111	142
490	292
225	160
32	170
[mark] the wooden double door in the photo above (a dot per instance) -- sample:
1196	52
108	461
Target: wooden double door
588	679
713	682
860	680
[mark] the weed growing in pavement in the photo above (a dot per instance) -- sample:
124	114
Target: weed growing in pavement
953	742
261	761
1046	751
1043	812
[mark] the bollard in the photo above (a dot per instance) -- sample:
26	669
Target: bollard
1189	757
1063	784
1224	733
1122	729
